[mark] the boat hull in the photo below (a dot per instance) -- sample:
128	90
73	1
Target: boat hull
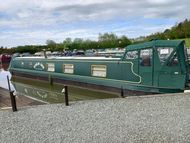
117	87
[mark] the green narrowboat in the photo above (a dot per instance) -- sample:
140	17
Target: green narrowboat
157	66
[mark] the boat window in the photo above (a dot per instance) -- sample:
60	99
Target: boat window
68	68
164	53
146	57
174	60
99	70
51	67
132	55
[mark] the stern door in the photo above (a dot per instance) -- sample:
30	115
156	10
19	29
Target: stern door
171	73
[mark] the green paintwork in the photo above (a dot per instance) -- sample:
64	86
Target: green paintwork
121	73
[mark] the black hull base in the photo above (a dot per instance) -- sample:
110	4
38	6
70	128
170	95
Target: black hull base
113	90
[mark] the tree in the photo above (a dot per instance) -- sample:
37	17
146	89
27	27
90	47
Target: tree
67	43
51	45
123	41
108	40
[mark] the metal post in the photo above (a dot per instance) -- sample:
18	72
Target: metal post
66	96
122	92
13	101
12	97
8	83
50	79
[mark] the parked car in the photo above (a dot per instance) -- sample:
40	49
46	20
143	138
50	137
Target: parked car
5	58
78	53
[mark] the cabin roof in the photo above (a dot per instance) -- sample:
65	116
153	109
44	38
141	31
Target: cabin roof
155	43
71	58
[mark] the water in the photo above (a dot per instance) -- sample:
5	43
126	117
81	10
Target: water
43	91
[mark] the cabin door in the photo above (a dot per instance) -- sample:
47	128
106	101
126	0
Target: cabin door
171	74
146	66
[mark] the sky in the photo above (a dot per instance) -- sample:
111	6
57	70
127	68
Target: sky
32	22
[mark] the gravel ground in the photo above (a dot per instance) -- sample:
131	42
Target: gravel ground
160	118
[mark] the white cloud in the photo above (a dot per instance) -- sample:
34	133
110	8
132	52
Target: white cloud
159	1
56	19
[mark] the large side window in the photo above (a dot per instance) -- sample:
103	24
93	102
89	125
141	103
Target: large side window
164	53
132	55
146	57
174	60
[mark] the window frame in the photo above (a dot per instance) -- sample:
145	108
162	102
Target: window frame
150	57
49	67
65	70
171	58
168	58
137	55
92	71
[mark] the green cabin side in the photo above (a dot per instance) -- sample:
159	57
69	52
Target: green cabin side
98	72
158	64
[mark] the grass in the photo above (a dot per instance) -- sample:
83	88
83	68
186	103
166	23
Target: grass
187	42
